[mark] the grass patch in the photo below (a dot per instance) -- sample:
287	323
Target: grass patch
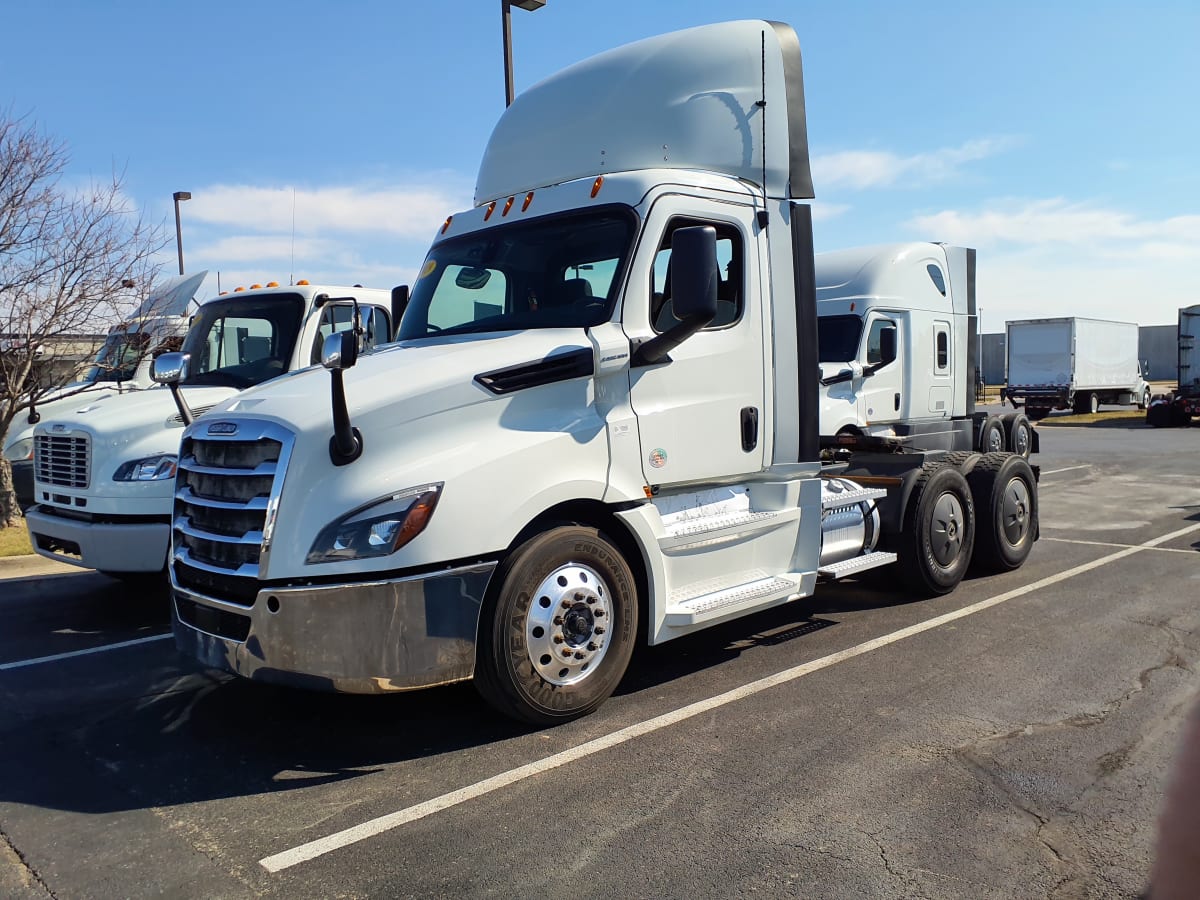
15	541
1118	418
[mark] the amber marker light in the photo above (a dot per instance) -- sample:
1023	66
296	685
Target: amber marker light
302	281
449	219
596	185
272	284
491	209
238	289
507	206
528	200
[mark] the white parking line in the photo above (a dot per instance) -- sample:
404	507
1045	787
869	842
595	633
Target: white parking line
1067	469
320	847
21	664
1113	544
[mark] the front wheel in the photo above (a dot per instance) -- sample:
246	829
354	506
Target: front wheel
939	531
557	628
1144	402
1004	490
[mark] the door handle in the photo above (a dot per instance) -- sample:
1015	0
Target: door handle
896	401
749	428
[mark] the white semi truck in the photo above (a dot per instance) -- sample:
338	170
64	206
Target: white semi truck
599	424
104	471
898	350
1074	363
121	364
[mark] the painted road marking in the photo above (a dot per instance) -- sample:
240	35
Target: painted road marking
321	846
1067	469
1113	544
21	664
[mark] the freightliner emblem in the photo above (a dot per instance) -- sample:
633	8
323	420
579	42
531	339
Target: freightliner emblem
223	428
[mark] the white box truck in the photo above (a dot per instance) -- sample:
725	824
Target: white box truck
122	364
104	472
599	424
1074	363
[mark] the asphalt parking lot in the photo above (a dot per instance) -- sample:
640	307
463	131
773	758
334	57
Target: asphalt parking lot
1009	740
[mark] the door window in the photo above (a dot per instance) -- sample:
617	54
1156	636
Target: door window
731	288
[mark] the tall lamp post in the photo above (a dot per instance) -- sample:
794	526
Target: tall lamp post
505	9
180	195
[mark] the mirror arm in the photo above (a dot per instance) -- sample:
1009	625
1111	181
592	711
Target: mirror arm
185	411
346	445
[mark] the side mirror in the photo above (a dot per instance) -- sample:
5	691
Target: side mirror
694	276
399	304
170	368
340	351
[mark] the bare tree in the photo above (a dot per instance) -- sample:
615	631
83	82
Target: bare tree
72	262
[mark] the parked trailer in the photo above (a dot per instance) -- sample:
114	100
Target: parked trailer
1179	408
1073	363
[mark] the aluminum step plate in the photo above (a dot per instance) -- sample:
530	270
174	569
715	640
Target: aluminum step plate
862	563
742	596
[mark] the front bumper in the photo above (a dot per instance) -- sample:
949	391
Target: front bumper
363	638
109	546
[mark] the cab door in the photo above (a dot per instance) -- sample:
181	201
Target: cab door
700	416
881	398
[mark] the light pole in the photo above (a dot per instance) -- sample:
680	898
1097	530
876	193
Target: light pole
505	11
180	195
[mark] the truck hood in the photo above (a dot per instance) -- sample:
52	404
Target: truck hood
409	380
151	409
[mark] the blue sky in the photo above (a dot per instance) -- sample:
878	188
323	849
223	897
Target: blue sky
1060	139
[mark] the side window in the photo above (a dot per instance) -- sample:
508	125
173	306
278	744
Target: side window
377	327
731	289
942	349
875	339
334	317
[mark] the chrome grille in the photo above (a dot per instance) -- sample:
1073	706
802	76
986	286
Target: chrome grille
62	459
225	494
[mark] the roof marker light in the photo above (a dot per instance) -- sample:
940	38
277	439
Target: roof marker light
302	281
596	185
449	219
528	200
255	287
507	206
238	288
491	209
272	284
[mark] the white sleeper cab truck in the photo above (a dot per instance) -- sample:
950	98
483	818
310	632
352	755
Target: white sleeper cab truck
104	472
898	351
1176	410
1074	363
122	364
598	425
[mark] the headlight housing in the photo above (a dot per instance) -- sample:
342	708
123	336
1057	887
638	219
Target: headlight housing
379	528
150	468
19	451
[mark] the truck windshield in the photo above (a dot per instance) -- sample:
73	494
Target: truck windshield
118	357
556	272
241	342
837	338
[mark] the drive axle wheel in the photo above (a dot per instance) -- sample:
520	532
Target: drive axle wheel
557	628
1005	493
991	435
939	531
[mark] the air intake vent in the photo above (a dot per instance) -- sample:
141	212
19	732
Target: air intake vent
563	367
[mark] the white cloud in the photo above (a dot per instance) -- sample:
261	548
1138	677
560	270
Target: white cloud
1040	258
861	169
408	211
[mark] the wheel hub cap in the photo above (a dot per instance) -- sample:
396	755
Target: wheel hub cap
946	530
1015	511
566	630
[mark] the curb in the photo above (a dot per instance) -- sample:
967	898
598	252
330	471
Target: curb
34	566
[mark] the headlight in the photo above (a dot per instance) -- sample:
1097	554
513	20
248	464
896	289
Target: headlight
19	450
381	527
152	468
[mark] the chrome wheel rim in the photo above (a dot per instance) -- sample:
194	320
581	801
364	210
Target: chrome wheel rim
566	628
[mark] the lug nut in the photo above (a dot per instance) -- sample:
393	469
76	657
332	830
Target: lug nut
566	604
592	646
578	596
598	630
578	655
591	600
558	620
558	639
598	613
567	652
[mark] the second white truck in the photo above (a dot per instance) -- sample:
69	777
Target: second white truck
104	471
1074	363
898	349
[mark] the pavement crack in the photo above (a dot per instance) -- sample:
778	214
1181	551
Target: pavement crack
28	874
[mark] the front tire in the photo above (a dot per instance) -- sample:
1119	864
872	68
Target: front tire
557	628
1004	491
939	531
1144	402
